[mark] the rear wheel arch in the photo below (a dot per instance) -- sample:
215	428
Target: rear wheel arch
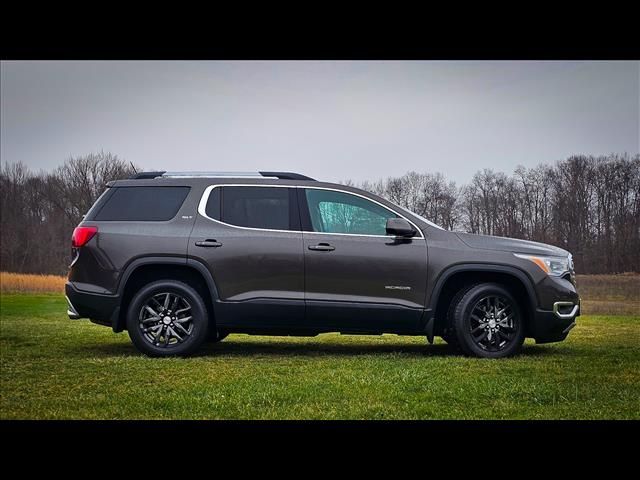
462	276
146	270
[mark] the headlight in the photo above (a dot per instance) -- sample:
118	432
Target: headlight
554	266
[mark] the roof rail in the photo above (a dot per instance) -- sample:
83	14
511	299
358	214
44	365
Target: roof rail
286	176
279	175
144	175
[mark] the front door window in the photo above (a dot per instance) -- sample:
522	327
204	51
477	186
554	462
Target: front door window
337	212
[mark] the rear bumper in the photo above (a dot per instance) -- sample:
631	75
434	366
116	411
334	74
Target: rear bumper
71	310
101	309
555	325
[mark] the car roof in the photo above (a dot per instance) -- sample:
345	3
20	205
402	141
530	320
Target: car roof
202	181
269	174
192	178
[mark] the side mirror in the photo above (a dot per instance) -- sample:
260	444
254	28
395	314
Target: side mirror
400	227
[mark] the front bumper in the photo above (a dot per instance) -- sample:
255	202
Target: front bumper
554	325
558	308
101	309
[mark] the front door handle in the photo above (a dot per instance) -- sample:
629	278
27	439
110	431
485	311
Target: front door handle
323	247
208	243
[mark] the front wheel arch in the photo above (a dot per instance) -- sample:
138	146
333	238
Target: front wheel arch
462	276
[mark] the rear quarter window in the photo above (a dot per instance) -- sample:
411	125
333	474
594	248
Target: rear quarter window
153	204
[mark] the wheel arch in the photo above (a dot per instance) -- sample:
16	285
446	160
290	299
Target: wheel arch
143	270
458	276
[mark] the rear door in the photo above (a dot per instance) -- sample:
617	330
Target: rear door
249	237
357	277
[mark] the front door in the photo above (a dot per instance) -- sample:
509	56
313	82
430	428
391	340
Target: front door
358	278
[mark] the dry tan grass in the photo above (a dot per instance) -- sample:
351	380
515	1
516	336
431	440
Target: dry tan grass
610	294
601	294
600	307
23	283
625	286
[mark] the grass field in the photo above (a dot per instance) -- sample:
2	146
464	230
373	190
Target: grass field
53	367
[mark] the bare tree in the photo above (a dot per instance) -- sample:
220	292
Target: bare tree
39	211
588	205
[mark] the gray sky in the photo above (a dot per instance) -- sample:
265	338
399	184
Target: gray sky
328	120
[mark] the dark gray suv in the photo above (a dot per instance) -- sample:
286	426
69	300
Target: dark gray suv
180	258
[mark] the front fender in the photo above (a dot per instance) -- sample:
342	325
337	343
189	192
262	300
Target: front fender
447	273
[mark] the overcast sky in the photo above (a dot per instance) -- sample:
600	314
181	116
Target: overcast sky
328	120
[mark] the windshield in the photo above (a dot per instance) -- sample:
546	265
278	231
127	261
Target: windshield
418	216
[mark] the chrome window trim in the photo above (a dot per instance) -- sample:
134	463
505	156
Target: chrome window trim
202	206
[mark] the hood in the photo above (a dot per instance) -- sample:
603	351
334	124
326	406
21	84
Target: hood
487	242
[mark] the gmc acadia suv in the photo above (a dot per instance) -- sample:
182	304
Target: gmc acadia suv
180	258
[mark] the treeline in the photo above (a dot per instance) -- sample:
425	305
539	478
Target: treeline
40	210
588	205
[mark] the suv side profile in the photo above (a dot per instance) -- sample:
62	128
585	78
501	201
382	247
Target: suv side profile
177	259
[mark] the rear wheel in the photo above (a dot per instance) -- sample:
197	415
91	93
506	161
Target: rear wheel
486	322
167	318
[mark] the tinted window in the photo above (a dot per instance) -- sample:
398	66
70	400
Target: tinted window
336	212
143	204
97	206
213	204
257	207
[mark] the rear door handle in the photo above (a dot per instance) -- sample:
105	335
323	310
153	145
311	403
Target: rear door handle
208	243
323	247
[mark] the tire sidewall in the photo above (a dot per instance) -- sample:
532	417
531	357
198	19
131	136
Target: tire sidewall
198	312
463	318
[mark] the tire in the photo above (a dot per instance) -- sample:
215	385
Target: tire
449	335
486	321
158	335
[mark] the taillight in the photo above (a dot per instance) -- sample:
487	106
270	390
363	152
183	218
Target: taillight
81	235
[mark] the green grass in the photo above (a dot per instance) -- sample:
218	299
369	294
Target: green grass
53	367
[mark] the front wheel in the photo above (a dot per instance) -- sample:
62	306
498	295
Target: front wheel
167	318
487	322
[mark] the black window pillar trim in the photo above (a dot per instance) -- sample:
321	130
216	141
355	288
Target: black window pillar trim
305	217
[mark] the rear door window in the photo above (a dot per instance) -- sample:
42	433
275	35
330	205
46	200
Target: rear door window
270	208
213	204
152	204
